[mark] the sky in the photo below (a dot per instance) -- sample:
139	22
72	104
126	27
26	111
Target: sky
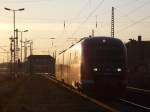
45	19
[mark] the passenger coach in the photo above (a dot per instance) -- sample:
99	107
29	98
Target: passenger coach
94	64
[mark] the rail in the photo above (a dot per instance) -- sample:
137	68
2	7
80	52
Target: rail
138	89
135	105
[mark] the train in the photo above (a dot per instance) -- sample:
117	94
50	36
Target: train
95	65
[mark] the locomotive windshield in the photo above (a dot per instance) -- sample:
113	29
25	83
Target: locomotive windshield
108	54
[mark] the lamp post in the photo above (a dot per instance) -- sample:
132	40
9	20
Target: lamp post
21	43
14	11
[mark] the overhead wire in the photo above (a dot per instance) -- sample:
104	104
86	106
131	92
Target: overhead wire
126	4
90	14
80	11
123	14
131	12
133	24
26	1
138	8
4	49
74	18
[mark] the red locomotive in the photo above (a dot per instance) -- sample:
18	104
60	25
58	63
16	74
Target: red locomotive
94	64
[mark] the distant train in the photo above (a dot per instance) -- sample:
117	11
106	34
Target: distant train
94	64
40	64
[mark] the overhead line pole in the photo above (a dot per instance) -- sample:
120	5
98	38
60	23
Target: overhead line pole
21	43
112	23
11	55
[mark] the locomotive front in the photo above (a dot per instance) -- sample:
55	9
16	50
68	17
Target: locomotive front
104	66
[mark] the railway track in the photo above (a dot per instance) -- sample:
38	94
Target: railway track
139	107
138	90
138	96
121	105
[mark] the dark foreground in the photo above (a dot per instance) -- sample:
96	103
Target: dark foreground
39	94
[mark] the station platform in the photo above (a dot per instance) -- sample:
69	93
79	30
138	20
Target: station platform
37	93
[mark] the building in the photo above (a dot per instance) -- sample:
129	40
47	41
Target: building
41	64
138	55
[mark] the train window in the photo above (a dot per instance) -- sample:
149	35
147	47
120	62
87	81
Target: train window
105	54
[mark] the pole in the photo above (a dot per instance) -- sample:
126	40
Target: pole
11	56
96	21
25	51
17	48
55	54
14	45
21	46
112	23
31	48
14	38
21	57
51	49
92	32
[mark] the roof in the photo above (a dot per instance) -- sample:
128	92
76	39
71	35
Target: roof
134	42
40	56
102	40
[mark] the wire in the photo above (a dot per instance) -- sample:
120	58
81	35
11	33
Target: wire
27	1
125	15
126	4
75	17
133	24
45	19
137	8
80	11
4	49
133	11
91	13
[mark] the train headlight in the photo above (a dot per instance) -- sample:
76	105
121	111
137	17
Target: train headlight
119	69
95	69
104	41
